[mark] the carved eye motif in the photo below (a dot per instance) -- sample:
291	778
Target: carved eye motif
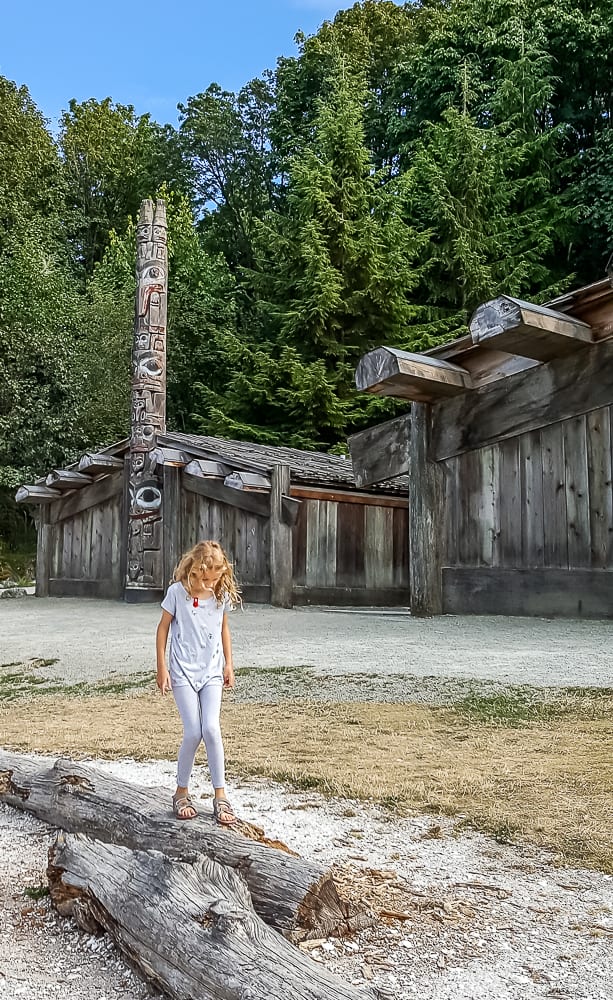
148	497
150	365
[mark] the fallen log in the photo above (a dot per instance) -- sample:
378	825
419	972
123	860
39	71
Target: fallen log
190	929
295	896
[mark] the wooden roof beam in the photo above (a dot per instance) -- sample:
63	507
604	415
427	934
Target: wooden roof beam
67	479
252	481
381	452
206	469
36	494
174	457
96	463
517	327
389	372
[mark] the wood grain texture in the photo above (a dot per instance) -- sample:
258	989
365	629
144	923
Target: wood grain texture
523	328
189	928
90	496
562	389
531	488
44	552
379	548
555	535
281	569
381	452
289	893
172	540
387	371
350	564
549	593
510	504
255	503
599	455
355	597
577	499
427	530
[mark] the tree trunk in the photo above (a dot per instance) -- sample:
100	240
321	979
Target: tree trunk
189	928
296	897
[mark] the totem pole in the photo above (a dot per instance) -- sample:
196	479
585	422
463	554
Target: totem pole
144	556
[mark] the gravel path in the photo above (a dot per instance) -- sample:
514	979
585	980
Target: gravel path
93	639
484	921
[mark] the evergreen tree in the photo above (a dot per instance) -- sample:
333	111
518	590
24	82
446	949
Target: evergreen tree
334	276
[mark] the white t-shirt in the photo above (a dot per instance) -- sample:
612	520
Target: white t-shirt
196	654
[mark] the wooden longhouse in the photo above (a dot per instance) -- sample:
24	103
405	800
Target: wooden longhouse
293	523
508	449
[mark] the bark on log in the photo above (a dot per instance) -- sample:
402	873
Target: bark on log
296	897
189	928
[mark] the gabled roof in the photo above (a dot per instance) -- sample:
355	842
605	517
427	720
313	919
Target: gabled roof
312	468
307	468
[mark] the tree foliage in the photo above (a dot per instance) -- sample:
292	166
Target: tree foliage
410	161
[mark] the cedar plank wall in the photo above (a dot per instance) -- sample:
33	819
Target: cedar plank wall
245	537
350	553
530	522
85	552
343	553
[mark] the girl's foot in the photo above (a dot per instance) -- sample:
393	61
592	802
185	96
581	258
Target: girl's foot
183	807
223	812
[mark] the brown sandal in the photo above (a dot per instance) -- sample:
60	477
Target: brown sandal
223	812
180	806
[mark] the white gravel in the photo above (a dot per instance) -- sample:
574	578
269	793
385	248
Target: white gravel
496	922
92	639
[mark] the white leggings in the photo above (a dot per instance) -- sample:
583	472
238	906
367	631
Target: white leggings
199	711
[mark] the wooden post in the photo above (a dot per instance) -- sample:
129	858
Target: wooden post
171	548
43	551
281	557
426	517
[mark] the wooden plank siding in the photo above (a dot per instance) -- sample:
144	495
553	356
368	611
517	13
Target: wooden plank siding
85	552
244	536
347	549
555	535
599	462
538	502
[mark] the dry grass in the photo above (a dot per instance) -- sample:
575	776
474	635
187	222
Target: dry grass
547	782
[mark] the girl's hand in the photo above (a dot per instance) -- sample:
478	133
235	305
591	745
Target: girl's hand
163	680
228	676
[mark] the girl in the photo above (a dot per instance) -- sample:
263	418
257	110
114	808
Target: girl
200	665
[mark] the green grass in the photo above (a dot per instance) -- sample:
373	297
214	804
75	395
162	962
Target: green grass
23	683
271	671
36	892
522	705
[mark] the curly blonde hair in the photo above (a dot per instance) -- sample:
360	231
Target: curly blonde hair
207	556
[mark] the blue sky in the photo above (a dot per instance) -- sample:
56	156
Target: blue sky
150	54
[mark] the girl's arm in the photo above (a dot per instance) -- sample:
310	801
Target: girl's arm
226	644
161	638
